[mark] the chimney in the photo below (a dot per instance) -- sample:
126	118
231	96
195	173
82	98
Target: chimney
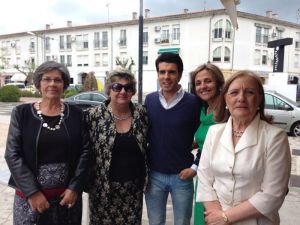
147	13
47	26
134	15
185	10
269	13
69	23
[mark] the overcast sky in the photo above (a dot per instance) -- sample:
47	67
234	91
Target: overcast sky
29	15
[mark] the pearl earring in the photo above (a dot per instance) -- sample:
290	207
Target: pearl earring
226	107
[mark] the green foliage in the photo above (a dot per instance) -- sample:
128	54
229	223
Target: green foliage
70	92
30	94
90	82
10	93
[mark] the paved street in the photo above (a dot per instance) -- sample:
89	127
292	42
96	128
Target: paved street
289	212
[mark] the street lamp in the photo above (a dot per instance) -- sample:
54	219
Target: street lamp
43	45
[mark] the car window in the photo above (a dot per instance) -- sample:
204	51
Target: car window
269	102
84	97
273	102
98	98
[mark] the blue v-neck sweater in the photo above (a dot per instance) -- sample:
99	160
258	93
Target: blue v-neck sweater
171	133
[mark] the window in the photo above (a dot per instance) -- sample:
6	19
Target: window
69	42
297	40
32	45
228	30
69	60
296	62
279	34
258	34
96	40
176	33
82	42
97	60
145	37
104	39
82	60
145	58
62	59
227	55
104	59
47	44
262	35
165	34
123	37
48	58
217	55
272	102
61	42
264	57
257	57
218	29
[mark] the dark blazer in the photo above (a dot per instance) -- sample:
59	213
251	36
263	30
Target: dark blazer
21	148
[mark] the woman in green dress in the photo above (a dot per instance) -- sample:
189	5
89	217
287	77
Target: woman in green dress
207	82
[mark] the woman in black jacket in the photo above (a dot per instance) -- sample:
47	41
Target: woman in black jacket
47	152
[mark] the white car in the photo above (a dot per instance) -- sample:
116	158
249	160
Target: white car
285	112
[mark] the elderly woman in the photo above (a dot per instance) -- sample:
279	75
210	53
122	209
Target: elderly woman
47	153
245	164
207	83
118	133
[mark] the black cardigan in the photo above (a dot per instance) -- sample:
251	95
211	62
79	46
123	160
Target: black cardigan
21	148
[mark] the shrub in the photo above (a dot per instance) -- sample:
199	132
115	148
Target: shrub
30	94
10	93
69	93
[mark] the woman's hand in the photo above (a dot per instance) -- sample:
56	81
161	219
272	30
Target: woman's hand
38	202
69	198
214	217
187	173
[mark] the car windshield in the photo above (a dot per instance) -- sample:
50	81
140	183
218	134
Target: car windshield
288	100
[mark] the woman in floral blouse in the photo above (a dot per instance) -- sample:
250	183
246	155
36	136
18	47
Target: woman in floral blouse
118	133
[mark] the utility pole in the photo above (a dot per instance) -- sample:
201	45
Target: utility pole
140	68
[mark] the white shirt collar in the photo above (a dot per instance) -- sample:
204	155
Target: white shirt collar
175	99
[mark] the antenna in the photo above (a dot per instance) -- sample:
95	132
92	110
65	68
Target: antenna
204	5
107	5
298	16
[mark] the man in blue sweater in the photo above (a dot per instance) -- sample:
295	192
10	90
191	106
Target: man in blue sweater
174	119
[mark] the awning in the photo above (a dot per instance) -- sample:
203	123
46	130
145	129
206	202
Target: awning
172	50
18	77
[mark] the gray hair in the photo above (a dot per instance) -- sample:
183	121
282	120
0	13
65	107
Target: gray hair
48	67
118	74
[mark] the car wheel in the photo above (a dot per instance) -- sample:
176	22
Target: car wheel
295	130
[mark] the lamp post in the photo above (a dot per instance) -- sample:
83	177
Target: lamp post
140	68
43	47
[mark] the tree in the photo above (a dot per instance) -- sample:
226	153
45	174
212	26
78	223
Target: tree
27	70
125	63
90	82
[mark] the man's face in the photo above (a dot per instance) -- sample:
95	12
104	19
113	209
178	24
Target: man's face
168	77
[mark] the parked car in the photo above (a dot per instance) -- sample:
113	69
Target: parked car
21	86
86	99
285	112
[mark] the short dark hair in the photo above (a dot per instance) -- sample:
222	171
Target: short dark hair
117	74
51	66
215	72
169	57
222	114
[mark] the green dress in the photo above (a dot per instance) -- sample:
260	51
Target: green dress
206	122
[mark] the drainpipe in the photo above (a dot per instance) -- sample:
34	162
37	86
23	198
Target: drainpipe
233	43
209	40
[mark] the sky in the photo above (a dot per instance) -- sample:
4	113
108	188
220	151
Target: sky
30	15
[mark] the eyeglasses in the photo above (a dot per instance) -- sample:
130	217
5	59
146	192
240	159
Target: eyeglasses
47	80
117	87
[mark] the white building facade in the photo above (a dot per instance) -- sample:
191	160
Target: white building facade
198	37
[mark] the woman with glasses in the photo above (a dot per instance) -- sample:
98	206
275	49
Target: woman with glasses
118	134
48	154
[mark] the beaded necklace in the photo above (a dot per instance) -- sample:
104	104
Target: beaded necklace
118	117
237	133
45	124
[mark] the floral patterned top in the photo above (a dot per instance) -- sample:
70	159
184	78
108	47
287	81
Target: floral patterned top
102	132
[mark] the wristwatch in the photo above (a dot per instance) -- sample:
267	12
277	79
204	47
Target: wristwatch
225	218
